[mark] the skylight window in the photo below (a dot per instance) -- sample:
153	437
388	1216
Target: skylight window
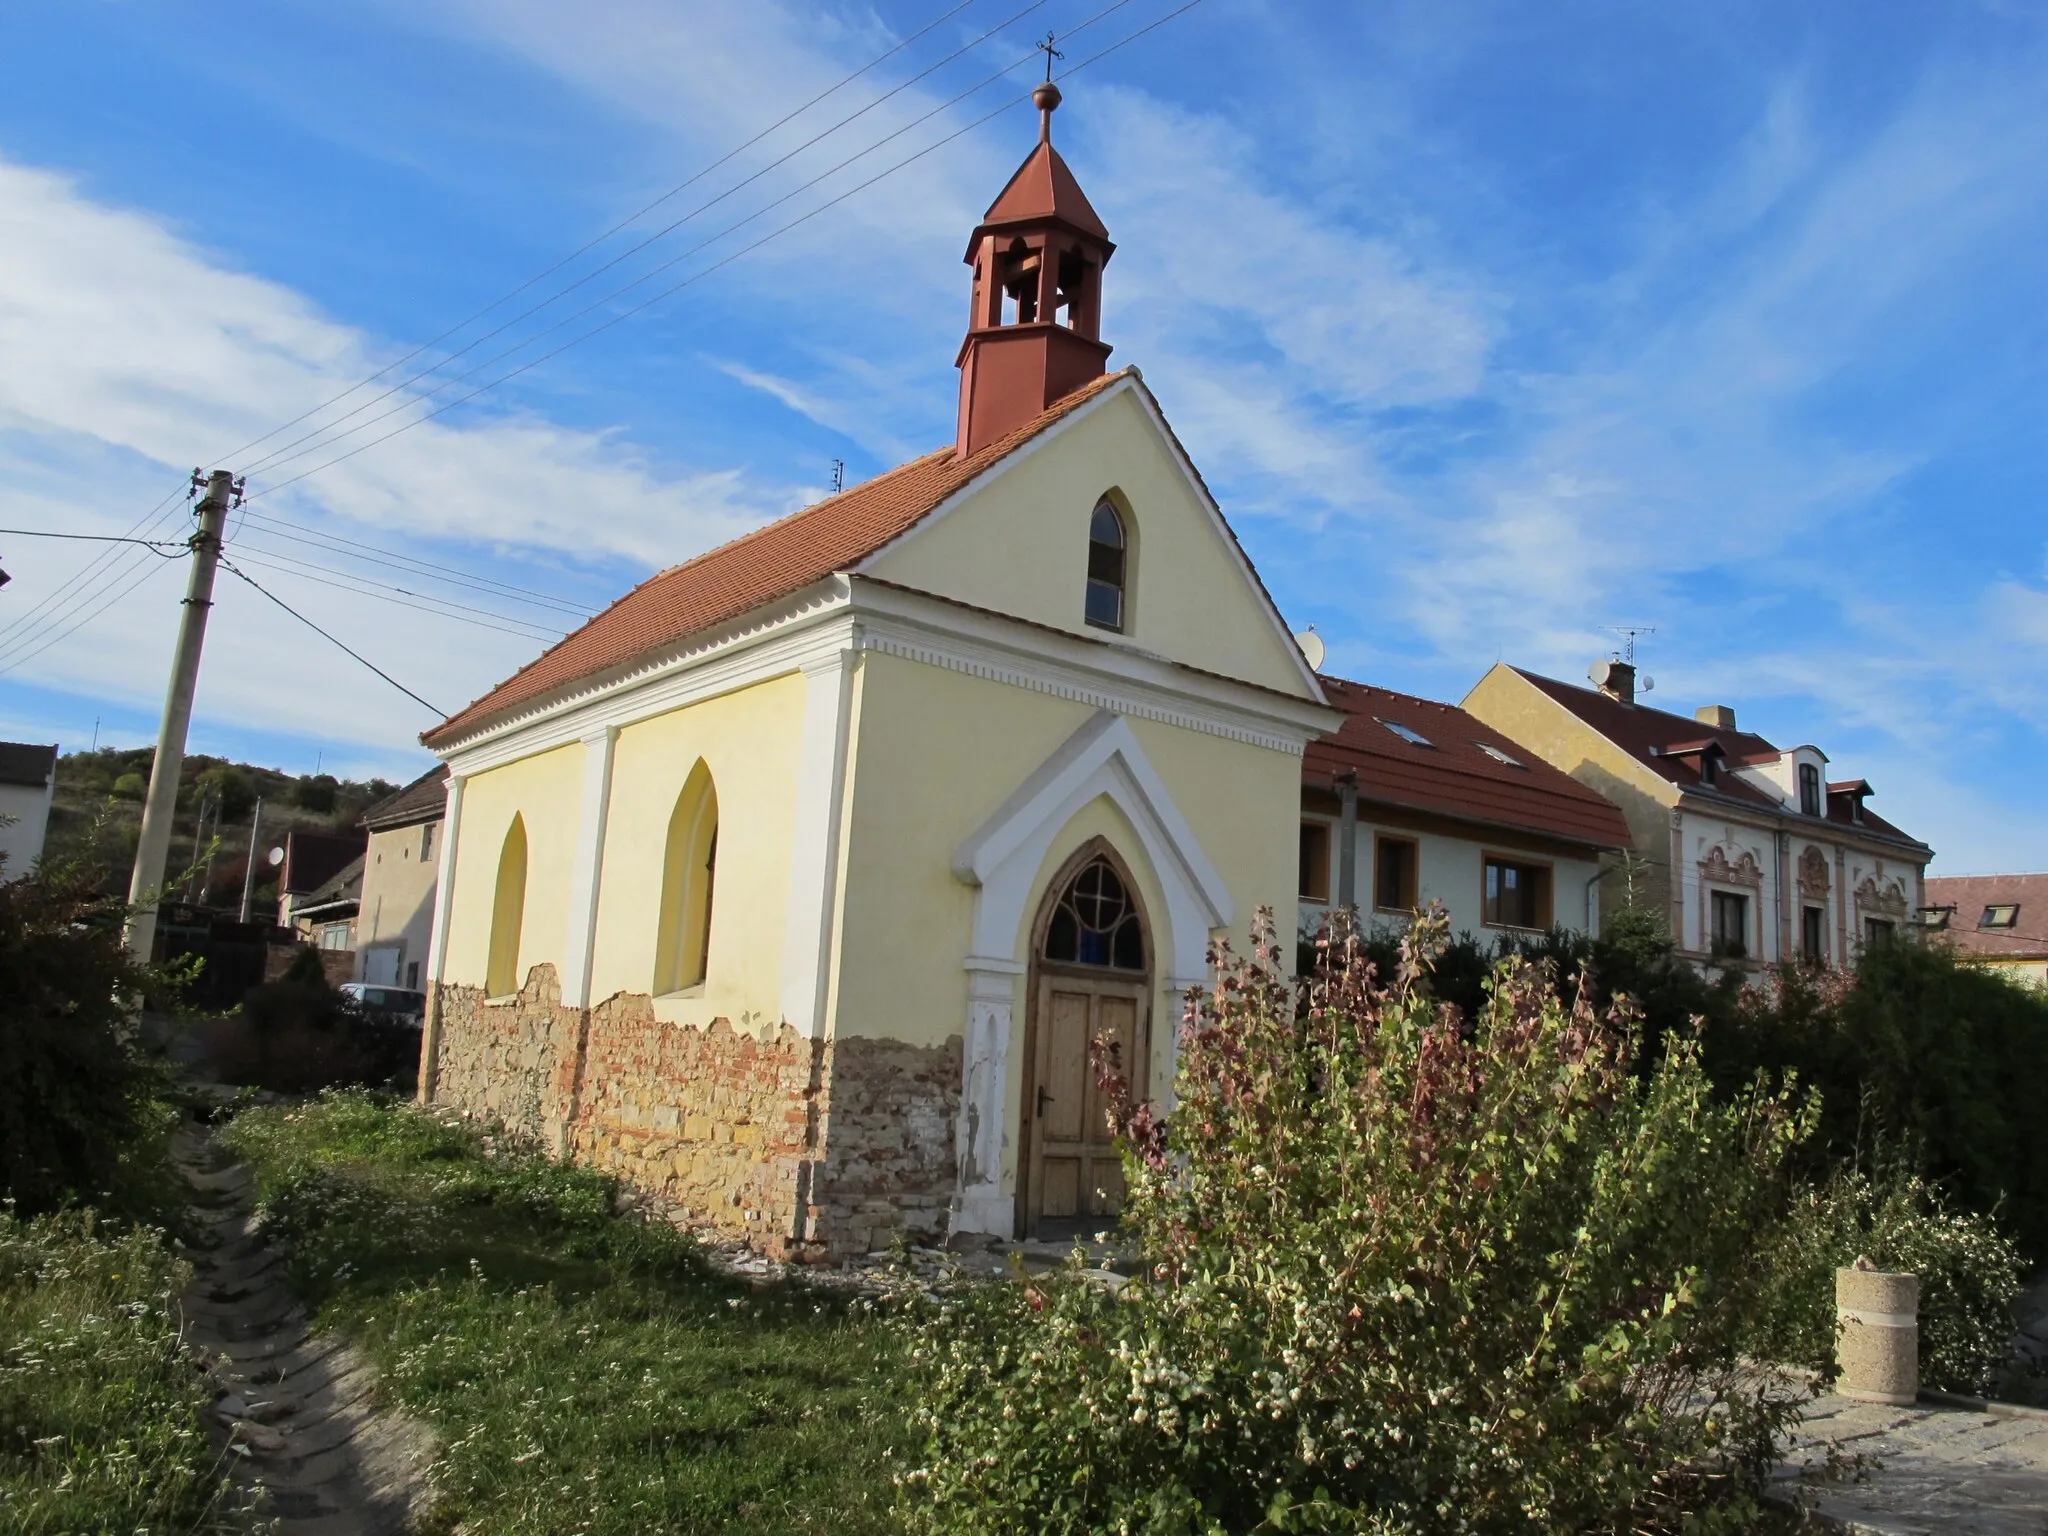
2000	916
1414	738
1497	755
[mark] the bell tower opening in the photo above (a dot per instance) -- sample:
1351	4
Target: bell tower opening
1034	330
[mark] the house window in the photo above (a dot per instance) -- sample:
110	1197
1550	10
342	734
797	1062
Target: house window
334	936
508	913
1096	922
1878	932
1393	874
1813	935
1408	733
1730	929
1809	790
427	841
2000	915
1709	767
1315	862
1107	548
689	871
412	975
1517	895
1498	755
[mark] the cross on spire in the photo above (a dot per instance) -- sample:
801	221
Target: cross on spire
1050	53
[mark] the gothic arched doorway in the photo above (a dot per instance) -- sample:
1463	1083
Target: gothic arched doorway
1091	965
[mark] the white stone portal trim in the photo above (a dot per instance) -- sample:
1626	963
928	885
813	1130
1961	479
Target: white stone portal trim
437	939
1101	760
587	877
814	845
982	1204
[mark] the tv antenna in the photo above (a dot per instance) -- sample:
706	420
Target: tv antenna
1628	633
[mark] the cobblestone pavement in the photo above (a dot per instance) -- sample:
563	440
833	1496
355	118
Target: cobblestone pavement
296	1409
1953	1471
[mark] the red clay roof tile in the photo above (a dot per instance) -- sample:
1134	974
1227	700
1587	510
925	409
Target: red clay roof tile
1454	776
755	569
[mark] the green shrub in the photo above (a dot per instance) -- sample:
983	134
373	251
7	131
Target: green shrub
82	1105
1969	1274
1402	1272
99	1398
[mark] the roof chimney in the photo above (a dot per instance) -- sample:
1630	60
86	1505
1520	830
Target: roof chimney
1719	716
1616	679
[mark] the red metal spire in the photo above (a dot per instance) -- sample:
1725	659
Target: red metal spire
1033	335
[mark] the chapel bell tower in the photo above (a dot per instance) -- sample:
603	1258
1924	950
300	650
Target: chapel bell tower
1034	334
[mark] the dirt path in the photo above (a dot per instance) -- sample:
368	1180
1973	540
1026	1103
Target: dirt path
298	1409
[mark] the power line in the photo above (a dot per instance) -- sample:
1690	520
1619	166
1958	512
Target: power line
146	571
110	577
598	240
714	267
420	603
277	527
153	517
284	454
154	546
323	634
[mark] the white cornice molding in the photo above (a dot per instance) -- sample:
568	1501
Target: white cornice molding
865	615
923	627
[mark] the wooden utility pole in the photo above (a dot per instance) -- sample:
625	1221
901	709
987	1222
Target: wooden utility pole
154	847
255	841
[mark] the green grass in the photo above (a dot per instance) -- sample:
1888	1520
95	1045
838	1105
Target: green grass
100	1401
584	1372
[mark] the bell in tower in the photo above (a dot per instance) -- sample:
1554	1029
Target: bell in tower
1034	334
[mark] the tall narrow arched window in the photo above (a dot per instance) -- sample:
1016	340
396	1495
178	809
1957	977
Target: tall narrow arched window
508	912
1108	551
689	870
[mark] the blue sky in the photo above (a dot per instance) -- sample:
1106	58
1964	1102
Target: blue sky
1491	325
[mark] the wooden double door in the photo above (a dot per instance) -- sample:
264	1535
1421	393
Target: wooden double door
1074	1178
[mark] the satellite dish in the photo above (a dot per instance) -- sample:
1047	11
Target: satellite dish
1311	645
1598	673
1648	684
276	857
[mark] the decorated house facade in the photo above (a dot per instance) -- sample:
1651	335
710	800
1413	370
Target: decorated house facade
1748	850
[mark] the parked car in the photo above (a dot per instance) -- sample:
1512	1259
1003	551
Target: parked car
391	1004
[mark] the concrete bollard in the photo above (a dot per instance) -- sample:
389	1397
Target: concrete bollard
1877	1334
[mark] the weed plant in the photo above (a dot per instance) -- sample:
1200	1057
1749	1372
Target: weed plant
99	1397
583	1372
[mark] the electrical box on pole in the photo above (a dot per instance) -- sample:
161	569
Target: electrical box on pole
159	809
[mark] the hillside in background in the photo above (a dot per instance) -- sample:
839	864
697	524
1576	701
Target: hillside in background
97	814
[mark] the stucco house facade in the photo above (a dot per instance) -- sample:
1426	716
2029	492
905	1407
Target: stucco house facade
1411	802
28	784
793	885
1749	852
395	917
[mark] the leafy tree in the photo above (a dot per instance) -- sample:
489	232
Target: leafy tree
316	792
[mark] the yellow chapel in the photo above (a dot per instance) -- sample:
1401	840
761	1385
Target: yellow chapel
792	887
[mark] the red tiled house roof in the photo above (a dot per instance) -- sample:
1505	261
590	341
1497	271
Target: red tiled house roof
1453	777
755	569
424	799
1970	895
1669	746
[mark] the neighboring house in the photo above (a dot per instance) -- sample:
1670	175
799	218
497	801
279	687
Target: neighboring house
311	860
28	782
794	886
326	916
1745	848
400	868
1434	805
2001	919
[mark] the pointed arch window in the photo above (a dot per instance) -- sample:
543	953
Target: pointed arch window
1108	565
689	874
508	913
1096	922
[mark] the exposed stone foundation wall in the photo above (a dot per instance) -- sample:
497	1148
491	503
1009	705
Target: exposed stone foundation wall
815	1149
